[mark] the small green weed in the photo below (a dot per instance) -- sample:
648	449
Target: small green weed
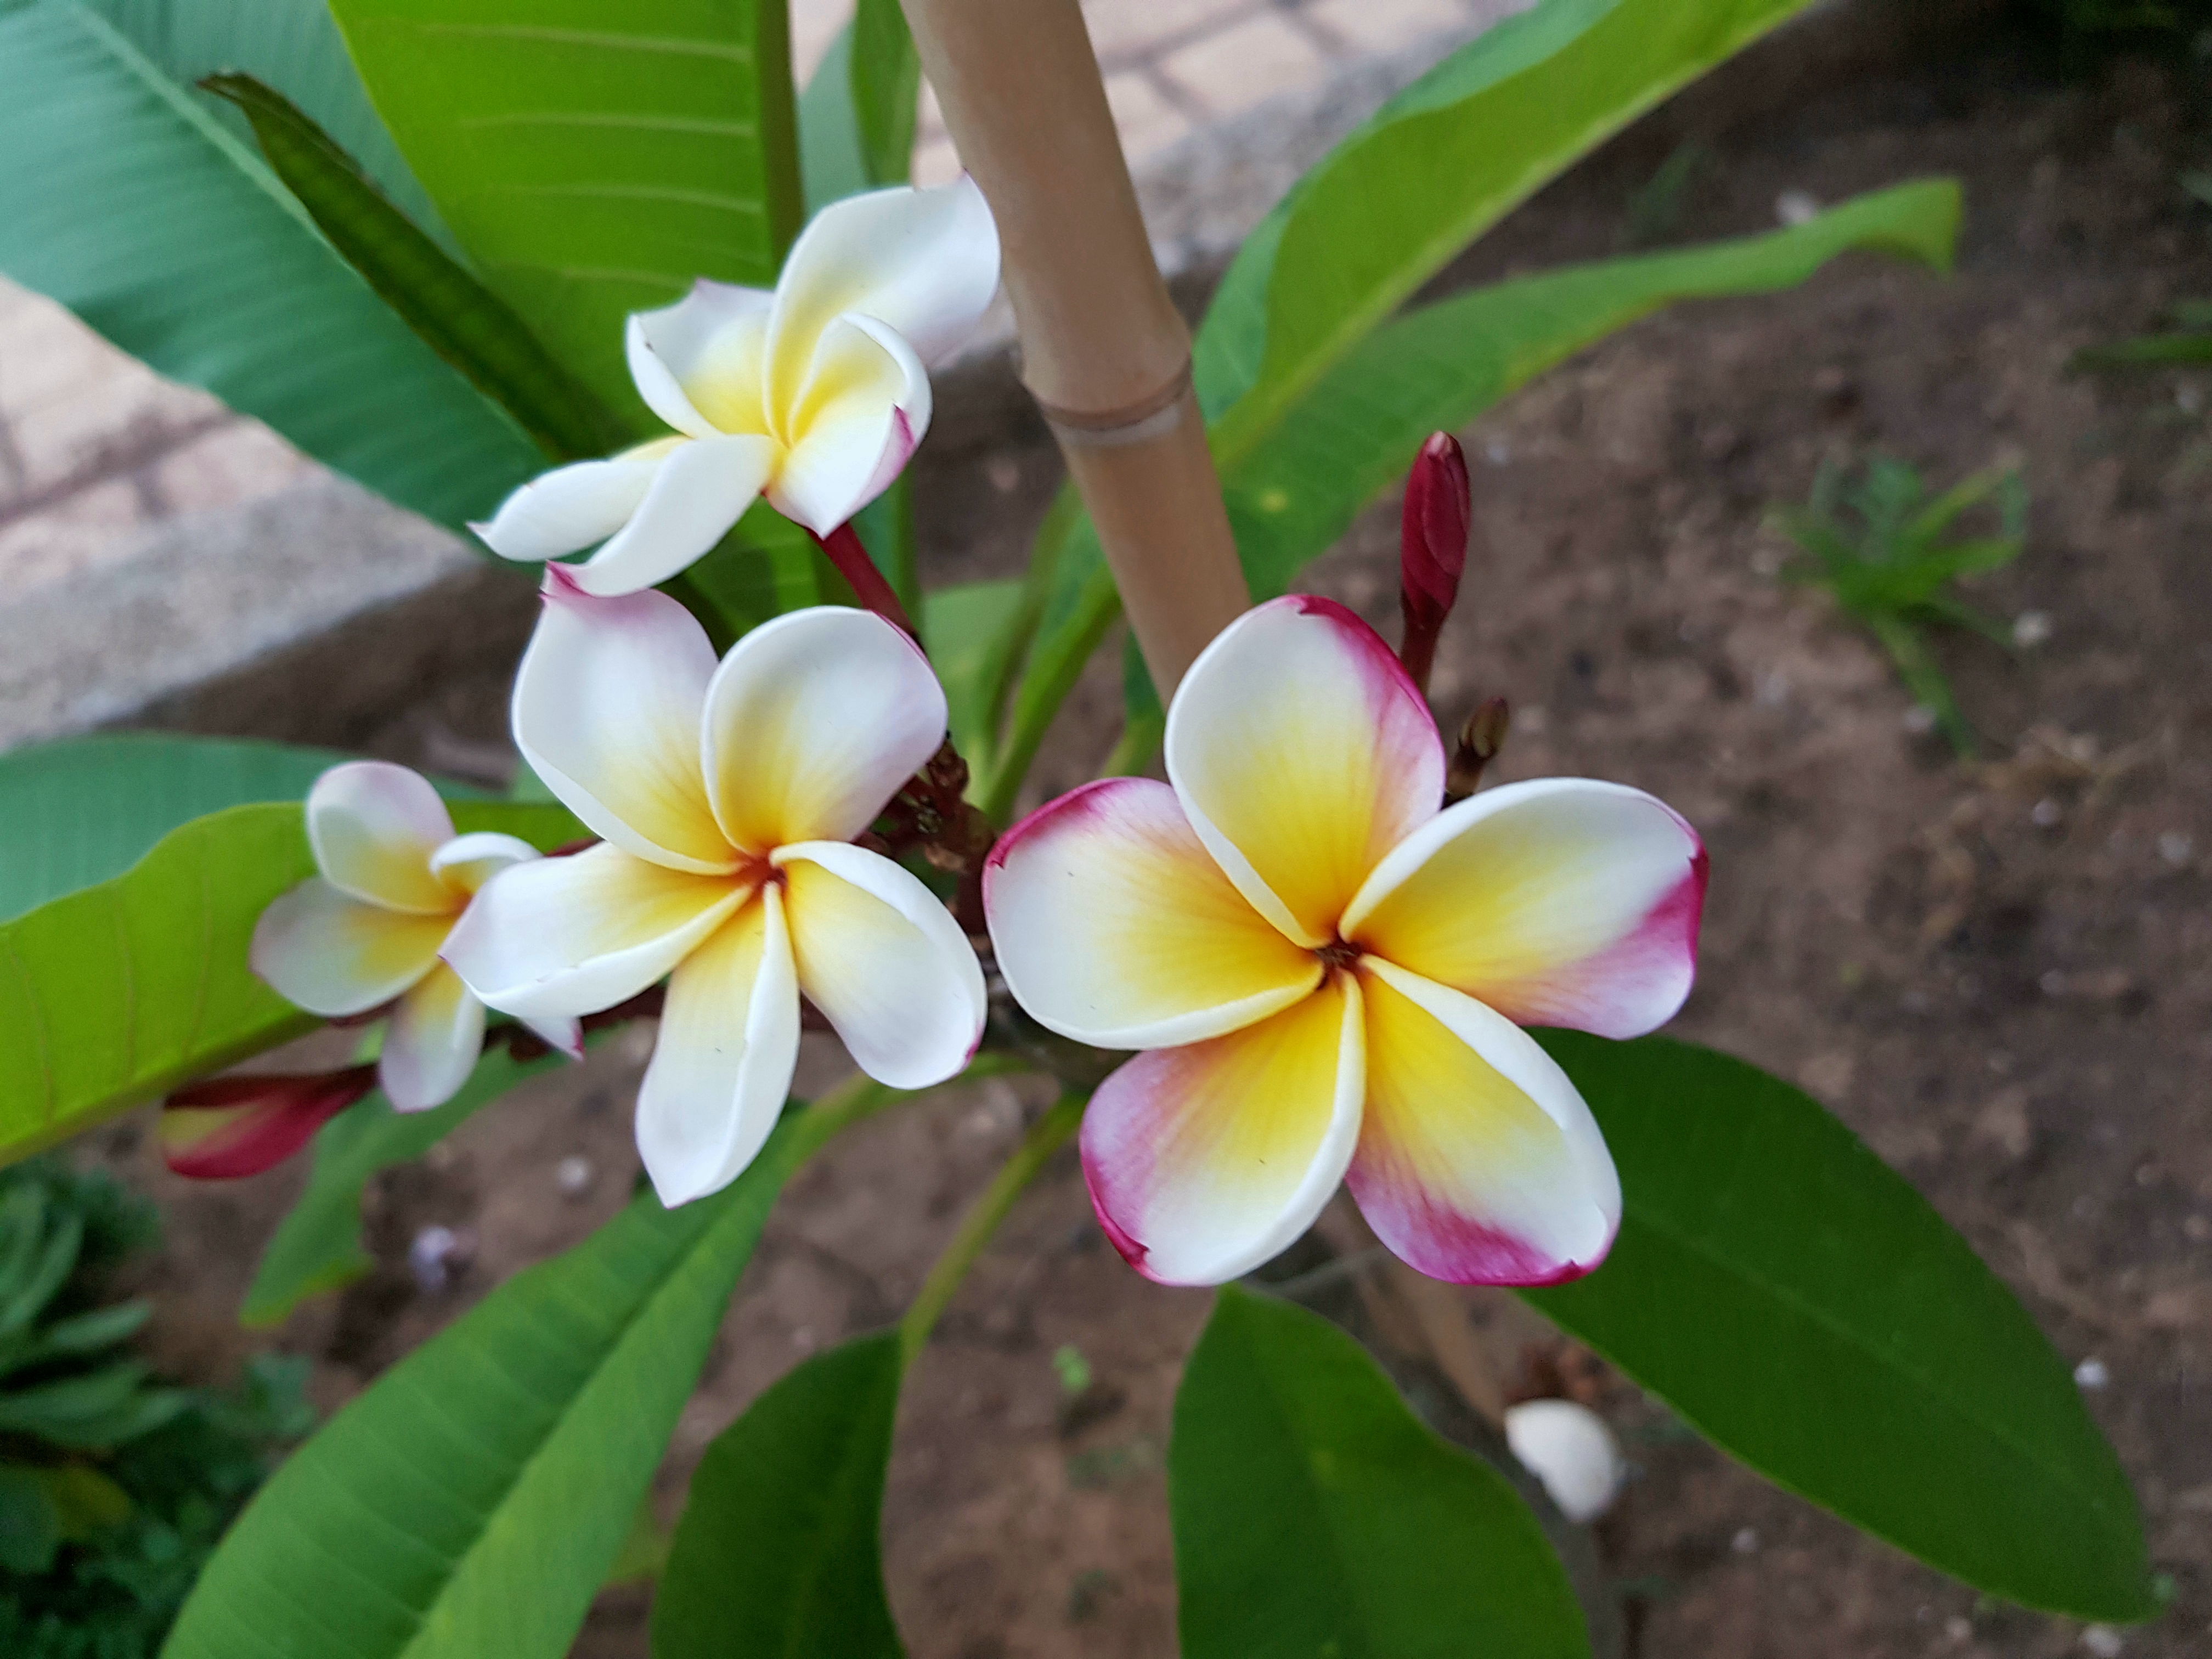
114	1485
1877	543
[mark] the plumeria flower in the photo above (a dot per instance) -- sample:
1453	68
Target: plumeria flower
729	797
1328	974
367	931
813	395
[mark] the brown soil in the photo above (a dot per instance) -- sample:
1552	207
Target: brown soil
2000	975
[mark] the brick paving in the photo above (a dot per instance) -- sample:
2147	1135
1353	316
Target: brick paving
94	449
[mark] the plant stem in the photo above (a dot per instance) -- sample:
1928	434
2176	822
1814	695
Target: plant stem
843	548
1045	1137
1133	750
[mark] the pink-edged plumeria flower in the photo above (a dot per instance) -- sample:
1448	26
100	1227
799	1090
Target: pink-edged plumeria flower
813	395
1329	973
367	931
729	797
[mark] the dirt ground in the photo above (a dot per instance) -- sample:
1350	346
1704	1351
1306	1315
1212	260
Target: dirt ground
2000	975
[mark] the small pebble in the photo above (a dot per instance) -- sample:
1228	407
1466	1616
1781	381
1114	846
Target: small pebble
1498	452
1569	1448
2053	982
2091	1374
2030	628
2045	813
1746	1542
574	1174
2104	1641
1920	720
439	1255
1005	474
1797	207
2197	1228
2176	848
2189	397
1959	1628
1772	690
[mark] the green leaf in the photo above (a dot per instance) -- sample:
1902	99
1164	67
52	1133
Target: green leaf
317	1247
592	160
832	164
469	1504
1315	1514
886	80
778	1550
105	1407
170	237
968	630
30	1524
2147	349
116	994
450	311
768	565
1795	1300
80	811
1432	169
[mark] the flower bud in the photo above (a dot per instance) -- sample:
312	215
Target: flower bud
1481	737
1569	1448
228	1127
1432	548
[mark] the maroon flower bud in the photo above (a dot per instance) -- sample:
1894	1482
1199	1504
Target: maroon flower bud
228	1127
1432	548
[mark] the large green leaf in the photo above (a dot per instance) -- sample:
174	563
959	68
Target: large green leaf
470	1504
968	630
592	160
778	1556
172	237
1315	1514
450	311
293	47
1292	488
856	116
1798	1303
116	993
82	810
317	1248
1432	169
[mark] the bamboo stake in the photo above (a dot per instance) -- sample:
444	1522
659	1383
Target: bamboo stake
1103	350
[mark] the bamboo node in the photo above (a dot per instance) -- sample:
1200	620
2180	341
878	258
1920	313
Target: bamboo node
1132	423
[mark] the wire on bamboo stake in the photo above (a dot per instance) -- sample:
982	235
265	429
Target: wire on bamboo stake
1103	350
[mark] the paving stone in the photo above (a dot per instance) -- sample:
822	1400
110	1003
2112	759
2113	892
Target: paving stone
1130	30
1146	119
1368	27
1231	71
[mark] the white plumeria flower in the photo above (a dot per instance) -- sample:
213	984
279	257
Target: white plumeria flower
368	930
813	395
729	797
1330	974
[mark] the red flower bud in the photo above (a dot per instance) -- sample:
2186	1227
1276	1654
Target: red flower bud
228	1127
1432	548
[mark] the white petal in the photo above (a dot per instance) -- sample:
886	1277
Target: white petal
722	1066
433	1043
572	508
1557	901
701	364
467	862
1204	1161
1114	925
701	490
1478	1161
373	827
814	721
926	262
331	954
561	937
606	711
1301	754
562	1033
879	954
856	420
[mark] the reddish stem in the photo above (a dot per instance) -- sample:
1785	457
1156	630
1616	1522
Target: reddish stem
842	545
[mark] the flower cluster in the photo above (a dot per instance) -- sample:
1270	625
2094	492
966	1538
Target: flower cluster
1324	958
